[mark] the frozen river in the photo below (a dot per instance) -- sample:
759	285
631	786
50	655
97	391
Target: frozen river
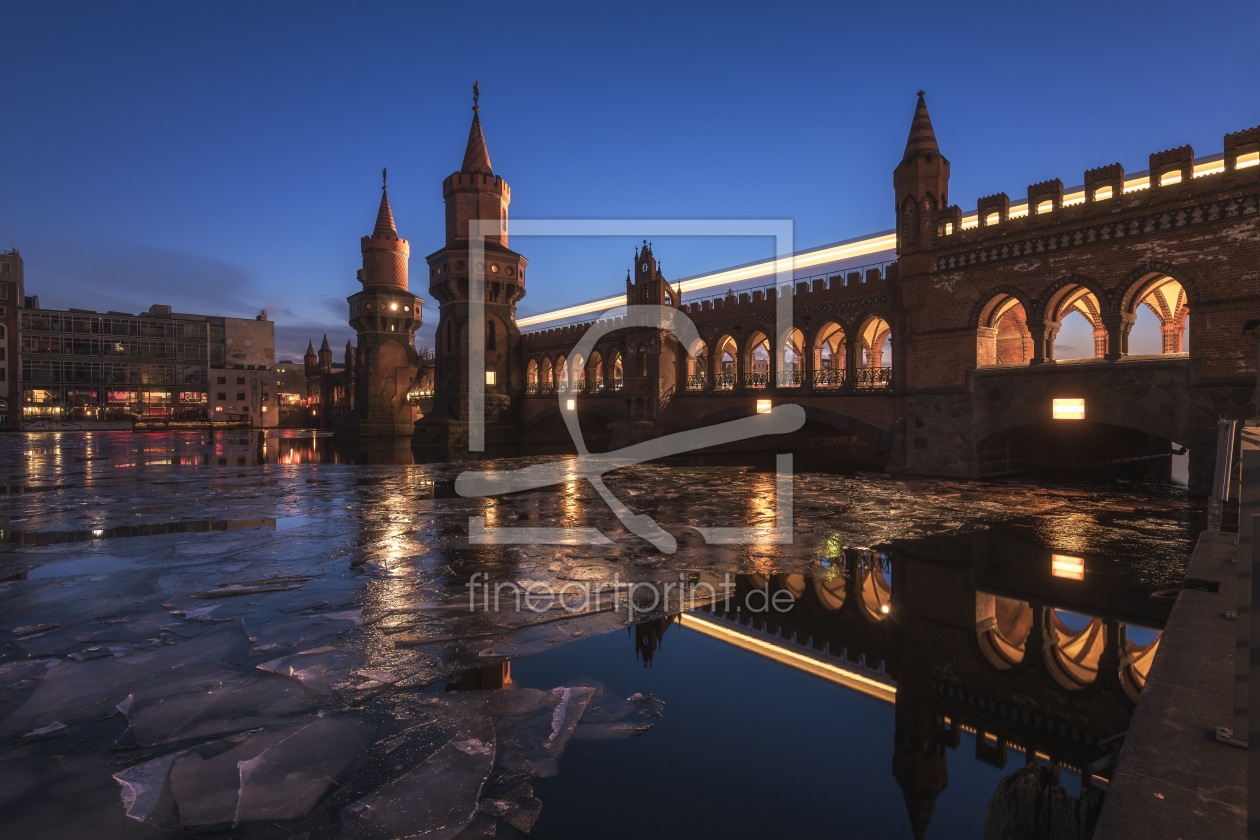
208	635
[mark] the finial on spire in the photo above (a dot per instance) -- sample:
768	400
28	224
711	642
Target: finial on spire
384	182
922	93
476	95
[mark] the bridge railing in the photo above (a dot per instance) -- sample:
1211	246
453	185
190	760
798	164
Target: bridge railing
618	384
828	378
697	382
756	380
724	382
873	377
790	378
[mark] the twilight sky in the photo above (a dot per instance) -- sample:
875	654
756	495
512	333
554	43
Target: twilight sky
225	158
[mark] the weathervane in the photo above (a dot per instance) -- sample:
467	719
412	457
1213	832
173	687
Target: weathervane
476	93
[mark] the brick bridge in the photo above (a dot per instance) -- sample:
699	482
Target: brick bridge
941	362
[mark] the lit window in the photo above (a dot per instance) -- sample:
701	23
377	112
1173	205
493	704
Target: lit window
1069	409
570	405
489	377
264	408
763	406
1045	206
1072	568
1102	194
992	218
1168	178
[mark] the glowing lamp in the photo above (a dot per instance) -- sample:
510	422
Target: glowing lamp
883	608
1069	409
763	406
220	408
1072	568
489	377
570	404
394	306
264	409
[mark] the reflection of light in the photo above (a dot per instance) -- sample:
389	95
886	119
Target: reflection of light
1064	566
763	406
98	532
833	673
884	608
1069	409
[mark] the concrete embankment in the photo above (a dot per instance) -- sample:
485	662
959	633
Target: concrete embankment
1172	778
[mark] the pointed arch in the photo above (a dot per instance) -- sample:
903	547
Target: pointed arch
756	359
830	354
725	362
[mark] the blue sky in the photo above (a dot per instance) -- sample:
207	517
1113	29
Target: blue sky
225	158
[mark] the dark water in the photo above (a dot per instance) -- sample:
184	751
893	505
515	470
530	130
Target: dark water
930	638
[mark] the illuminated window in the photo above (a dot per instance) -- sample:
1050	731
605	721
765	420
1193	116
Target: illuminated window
763	406
570	404
1069	409
1168	178
992	219
489	377
1102	194
1072	568
1249	159
1045	206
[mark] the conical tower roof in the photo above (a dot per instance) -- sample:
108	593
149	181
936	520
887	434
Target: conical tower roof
325	346
476	156
922	139
310	348
385	217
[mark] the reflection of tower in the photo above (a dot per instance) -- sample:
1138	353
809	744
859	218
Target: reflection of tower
385	316
647	638
918	760
474	194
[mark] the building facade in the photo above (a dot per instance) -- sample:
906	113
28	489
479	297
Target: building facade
83	370
12	298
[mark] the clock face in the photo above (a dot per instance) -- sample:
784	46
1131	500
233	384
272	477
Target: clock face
644	268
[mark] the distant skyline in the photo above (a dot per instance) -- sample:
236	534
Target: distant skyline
225	159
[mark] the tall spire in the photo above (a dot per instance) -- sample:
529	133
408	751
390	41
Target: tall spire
310	348
385	216
325	346
922	139
476	156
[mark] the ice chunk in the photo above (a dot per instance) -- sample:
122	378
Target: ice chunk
286	780
206	790
610	717
34	628
142	785
531	746
437	799
52	730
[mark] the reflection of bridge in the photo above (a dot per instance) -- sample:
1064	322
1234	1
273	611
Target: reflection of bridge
941	362
1051	676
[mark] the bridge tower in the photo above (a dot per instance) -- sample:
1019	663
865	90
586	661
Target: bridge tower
654	359
474	193
385	316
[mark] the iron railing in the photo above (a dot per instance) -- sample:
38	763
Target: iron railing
873	377
697	382
618	383
756	380
540	388
724	381
790	378
828	378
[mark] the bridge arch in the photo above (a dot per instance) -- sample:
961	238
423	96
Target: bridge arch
757	357
1074	647
1166	291
725	361
596	407
1003	627
829	349
1000	319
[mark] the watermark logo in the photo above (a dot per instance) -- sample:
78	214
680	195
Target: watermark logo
592	467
